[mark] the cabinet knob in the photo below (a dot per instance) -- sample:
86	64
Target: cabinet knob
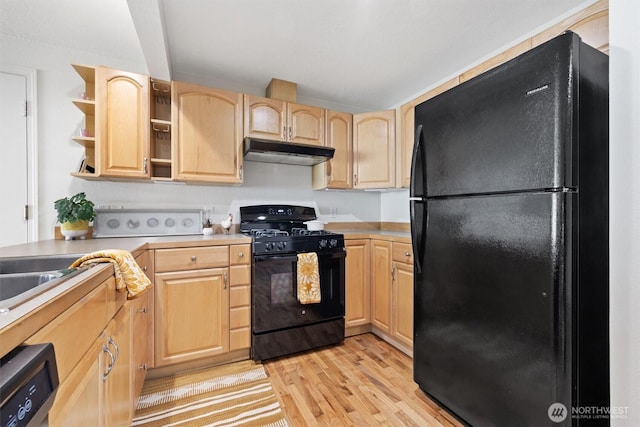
143	367
241	255
143	310
407	254
194	258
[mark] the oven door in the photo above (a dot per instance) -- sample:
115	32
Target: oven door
274	296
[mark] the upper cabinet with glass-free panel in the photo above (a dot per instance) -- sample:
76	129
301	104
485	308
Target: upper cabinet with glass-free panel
276	120
207	134
122	123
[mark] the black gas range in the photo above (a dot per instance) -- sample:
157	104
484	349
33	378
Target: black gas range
281	324
281	229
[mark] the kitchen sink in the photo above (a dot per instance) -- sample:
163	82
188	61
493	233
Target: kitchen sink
24	278
30	264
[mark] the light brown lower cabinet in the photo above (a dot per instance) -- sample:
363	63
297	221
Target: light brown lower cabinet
141	340
201	312
98	392
192	315
357	287
391	295
381	285
402	294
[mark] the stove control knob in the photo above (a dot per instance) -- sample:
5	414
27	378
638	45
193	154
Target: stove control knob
333	243
268	246
281	245
323	243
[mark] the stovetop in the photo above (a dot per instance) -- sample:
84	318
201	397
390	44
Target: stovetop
281	229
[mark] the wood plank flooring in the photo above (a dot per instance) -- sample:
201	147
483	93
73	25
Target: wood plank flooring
364	382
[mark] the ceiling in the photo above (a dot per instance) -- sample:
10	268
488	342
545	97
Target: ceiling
360	55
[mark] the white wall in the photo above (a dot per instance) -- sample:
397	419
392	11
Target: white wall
59	119
624	17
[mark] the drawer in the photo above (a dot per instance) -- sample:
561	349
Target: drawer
240	275
191	258
240	254
240	338
239	317
239	296
402	252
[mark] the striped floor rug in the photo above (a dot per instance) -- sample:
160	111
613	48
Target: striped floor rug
238	394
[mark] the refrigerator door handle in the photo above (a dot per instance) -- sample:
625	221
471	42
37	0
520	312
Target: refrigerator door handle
418	206
417	185
418	232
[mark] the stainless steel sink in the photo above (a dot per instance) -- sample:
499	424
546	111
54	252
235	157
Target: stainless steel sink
30	264
24	278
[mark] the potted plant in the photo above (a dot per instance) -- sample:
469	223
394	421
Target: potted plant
74	215
207	227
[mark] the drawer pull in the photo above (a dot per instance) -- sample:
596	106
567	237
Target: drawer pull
241	255
407	254
143	310
194	258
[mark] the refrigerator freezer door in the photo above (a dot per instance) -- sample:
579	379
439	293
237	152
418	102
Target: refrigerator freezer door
509	129
495	284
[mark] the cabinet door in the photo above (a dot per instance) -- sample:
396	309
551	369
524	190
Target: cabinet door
337	172
123	124
374	149
405	141
191	315
402	300
206	133
265	118
305	124
381	281
118	381
141	340
80	398
357	287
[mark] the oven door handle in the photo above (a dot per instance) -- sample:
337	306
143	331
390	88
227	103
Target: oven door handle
275	257
337	254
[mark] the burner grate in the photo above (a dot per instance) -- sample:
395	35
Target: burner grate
266	232
306	232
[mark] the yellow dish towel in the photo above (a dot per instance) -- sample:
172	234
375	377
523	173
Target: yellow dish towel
308	278
128	274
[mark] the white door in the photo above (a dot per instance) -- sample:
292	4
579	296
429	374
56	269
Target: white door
13	160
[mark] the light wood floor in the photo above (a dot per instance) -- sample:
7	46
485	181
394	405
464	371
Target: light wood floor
364	382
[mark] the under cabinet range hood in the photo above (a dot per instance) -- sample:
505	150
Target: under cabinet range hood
262	150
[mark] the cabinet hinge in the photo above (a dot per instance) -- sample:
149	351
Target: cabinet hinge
26	212
26	108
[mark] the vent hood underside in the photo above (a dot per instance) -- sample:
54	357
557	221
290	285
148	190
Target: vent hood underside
262	150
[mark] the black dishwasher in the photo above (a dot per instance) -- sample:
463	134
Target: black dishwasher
28	385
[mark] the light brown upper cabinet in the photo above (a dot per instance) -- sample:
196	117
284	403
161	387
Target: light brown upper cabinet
206	134
123	124
337	172
277	120
374	149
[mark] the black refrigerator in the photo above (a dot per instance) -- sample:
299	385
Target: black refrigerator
509	221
